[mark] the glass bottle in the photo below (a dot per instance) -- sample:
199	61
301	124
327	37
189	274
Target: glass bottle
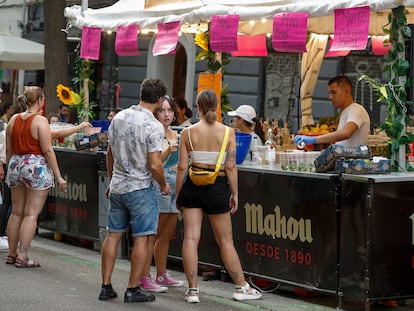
270	150
255	155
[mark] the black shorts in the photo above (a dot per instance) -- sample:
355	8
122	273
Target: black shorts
213	199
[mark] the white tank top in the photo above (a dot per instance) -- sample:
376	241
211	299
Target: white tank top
203	157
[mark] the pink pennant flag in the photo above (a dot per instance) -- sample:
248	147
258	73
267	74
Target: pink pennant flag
289	32
167	38
223	33
351	29
126	41
251	46
379	47
90	43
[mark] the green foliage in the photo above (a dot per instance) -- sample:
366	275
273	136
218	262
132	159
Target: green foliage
213	65
225	103
84	68
394	92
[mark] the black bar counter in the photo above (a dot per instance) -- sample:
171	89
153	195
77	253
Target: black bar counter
346	235
75	212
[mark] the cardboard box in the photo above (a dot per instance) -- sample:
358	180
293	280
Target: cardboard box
361	166
325	162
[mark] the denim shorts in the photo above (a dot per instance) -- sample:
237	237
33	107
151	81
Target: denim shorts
136	210
166	203
29	170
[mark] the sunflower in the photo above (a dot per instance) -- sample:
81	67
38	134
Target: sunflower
76	98
65	94
201	39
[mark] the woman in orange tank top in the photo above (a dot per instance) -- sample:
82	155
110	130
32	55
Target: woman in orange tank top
31	164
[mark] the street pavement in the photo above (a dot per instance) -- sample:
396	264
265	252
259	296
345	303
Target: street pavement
70	279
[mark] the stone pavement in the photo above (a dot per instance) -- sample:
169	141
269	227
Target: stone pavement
69	279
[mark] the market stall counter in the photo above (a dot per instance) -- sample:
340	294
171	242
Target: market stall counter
376	237
286	228
75	212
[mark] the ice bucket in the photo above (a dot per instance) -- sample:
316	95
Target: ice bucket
242	146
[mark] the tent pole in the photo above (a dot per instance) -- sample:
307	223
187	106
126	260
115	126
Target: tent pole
84	6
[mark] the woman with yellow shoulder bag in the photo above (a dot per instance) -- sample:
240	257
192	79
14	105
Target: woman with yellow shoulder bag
200	146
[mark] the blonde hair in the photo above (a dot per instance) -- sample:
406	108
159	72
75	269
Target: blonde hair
207	102
33	94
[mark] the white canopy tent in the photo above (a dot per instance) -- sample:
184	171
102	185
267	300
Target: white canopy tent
19	53
255	17
194	12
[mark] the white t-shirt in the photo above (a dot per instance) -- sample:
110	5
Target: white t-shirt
3	142
357	114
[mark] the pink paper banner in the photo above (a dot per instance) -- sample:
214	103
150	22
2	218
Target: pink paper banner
90	43
336	53
289	32
351	29
379	48
167	38
251	46
126	41
223	33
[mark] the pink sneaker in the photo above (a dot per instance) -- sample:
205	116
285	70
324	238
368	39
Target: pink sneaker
165	279
149	285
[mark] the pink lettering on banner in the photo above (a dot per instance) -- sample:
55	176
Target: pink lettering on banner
167	38
126	41
351	29
289	32
251	46
90	43
223	33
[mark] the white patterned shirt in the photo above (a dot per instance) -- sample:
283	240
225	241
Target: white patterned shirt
132	134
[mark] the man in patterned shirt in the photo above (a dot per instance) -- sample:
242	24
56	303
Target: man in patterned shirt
133	159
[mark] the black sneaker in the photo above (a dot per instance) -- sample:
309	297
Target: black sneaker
107	293
136	295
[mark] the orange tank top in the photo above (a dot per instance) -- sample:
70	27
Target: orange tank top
23	142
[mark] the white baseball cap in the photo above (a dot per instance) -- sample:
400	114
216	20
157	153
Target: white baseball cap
245	112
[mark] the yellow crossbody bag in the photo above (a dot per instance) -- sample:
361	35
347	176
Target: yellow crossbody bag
203	177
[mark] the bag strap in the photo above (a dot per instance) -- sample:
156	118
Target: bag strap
223	147
189	139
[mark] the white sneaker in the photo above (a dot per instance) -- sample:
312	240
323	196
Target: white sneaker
4	244
246	293
192	295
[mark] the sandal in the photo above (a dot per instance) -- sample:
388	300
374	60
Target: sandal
26	263
10	260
